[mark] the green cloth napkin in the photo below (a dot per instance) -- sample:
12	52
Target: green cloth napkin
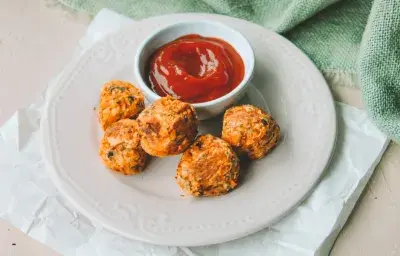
353	42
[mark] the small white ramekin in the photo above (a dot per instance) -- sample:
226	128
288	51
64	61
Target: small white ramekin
169	33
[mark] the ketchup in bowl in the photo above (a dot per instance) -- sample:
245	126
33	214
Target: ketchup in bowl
195	69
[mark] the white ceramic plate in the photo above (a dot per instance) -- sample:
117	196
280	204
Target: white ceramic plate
148	206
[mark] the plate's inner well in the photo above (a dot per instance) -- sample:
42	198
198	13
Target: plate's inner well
157	174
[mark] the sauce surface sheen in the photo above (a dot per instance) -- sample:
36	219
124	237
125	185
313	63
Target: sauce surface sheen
195	69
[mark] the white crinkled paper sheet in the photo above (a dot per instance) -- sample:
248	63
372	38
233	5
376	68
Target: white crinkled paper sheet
30	202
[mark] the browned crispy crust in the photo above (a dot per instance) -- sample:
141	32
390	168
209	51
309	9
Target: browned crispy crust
168	127
209	167
250	131
119	100
120	148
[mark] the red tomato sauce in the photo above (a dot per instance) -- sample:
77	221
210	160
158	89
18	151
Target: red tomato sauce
195	69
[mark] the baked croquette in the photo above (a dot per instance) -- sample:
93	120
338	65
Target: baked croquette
250	131
168	127
119	100
120	148
208	168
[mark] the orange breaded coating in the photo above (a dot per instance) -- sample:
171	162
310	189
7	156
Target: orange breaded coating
209	167
119	100
120	148
168	127
250	131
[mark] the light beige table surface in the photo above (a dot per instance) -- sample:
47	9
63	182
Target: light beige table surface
37	41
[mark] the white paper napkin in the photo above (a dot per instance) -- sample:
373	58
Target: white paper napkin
30	202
